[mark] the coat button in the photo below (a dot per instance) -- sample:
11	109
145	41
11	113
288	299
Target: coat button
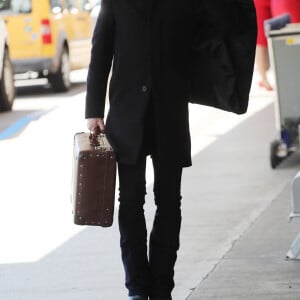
144	88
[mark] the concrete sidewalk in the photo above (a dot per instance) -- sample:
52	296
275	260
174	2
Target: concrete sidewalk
233	183
255	267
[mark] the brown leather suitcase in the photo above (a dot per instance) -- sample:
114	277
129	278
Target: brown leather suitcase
94	178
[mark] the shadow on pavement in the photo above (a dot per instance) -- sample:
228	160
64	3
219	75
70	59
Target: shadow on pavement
82	268
292	160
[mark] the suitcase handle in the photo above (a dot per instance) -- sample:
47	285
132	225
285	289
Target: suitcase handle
99	142
95	140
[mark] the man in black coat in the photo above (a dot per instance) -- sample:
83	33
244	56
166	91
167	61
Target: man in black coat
150	46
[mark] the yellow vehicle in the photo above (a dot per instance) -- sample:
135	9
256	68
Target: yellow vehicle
50	37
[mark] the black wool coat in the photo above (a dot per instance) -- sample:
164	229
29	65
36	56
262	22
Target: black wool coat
150	45
149	42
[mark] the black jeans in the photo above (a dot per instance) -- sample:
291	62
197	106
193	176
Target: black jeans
149	275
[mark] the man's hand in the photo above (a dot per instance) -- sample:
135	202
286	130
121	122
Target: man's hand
93	125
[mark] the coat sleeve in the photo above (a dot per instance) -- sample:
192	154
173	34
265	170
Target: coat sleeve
101	60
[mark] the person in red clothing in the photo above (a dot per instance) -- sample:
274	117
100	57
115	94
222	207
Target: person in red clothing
263	12
290	6
266	9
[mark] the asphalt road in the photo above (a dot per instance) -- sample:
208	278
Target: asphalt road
35	98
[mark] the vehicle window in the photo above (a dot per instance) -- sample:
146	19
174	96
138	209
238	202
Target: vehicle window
16	6
55	3
4	4
85	5
71	4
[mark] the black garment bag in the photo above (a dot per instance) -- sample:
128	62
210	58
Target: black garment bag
224	52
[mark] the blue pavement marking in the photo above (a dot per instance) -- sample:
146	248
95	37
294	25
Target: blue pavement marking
19	125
